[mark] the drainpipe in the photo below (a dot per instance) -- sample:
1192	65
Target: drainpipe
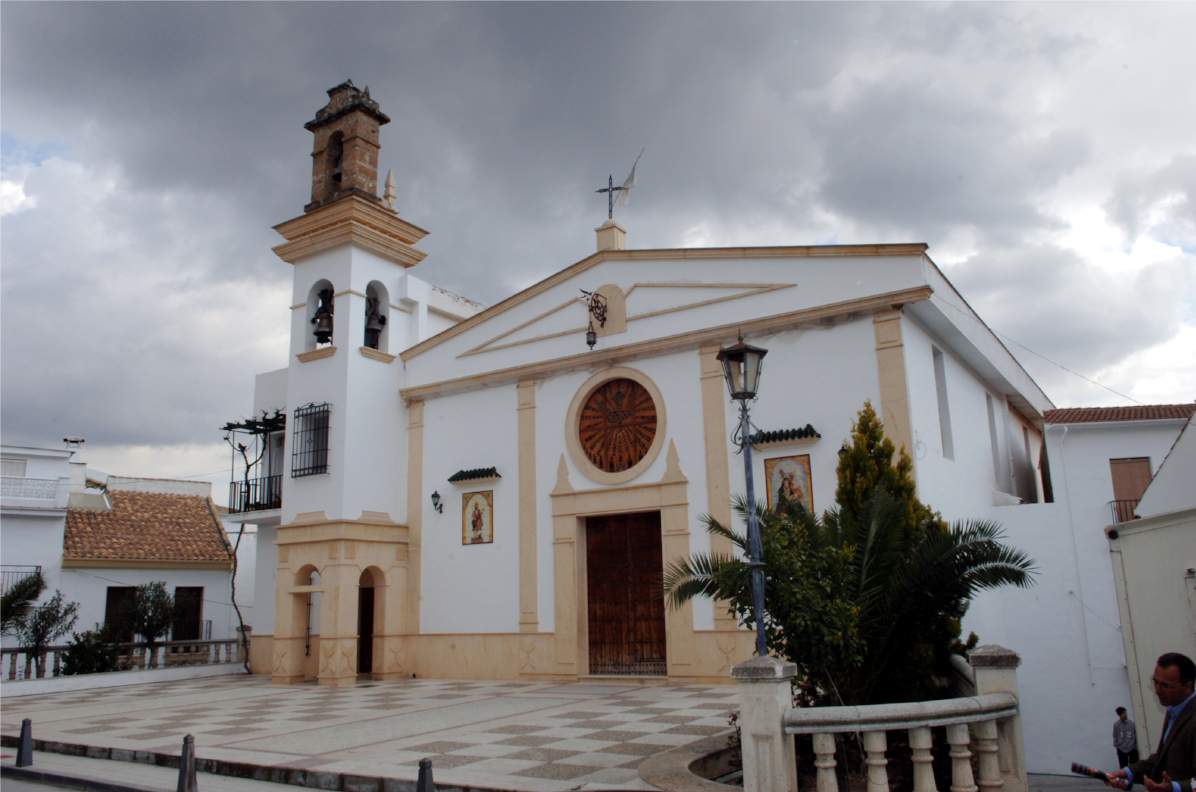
1078	592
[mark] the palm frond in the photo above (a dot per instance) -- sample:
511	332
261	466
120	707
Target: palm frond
701	574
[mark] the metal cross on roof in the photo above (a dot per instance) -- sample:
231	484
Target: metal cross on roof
625	188
610	189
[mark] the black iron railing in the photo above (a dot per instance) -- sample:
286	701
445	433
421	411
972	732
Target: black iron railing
11	573
1123	510
257	494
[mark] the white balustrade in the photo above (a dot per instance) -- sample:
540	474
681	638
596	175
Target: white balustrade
989	721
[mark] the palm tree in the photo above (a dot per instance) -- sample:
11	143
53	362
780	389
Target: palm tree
867	604
20	596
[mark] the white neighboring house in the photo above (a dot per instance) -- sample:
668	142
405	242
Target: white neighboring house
1068	628
97	537
1154	568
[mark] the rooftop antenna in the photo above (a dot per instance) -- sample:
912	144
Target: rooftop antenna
624	190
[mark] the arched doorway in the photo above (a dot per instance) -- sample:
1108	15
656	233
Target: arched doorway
369	612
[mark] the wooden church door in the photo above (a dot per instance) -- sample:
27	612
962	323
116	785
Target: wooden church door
625	599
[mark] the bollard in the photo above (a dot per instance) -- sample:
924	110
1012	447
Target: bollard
425	783
187	781
25	749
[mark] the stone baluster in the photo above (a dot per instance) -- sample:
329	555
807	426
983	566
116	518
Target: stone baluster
824	760
12	666
28	666
961	759
769	761
878	769
995	670
57	663
989	765
920	742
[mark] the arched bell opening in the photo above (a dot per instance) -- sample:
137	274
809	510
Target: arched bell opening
370	605
335	154
321	307
377	314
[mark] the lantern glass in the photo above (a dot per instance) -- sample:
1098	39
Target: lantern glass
742	364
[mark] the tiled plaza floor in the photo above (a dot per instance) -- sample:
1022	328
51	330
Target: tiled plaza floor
540	737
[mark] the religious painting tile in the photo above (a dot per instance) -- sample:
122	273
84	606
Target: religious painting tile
477	517
789	479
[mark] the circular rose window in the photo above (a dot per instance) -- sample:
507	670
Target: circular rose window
617	425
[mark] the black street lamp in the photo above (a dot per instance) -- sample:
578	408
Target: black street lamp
741	368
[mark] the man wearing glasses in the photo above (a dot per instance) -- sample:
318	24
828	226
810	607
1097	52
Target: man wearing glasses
1172	767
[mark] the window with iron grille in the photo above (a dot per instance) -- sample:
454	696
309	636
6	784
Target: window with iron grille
309	449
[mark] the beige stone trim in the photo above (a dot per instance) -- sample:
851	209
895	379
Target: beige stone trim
890	370
616	310
619	323
529	613
342	531
374	354
415	510
120	563
353	292
796	251
573	418
673	343
718	475
316	354
569	510
351	220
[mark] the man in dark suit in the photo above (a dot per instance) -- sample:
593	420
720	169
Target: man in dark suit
1172	767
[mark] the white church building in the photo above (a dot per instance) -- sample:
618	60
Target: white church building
450	491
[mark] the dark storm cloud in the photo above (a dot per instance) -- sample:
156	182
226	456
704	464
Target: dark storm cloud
159	142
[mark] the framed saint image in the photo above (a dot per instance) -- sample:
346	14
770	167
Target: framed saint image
789	476
477	517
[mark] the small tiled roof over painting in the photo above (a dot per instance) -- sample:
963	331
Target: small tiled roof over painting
1139	412
145	528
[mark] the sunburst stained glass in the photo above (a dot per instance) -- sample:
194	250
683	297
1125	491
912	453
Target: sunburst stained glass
618	425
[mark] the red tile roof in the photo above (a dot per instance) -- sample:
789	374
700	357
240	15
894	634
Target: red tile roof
1139	412
147	527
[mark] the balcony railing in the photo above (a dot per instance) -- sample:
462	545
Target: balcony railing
11	573
1123	510
257	494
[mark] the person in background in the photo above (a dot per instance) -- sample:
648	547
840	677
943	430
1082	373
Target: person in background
1125	739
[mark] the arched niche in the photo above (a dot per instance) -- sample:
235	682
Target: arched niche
321	307
377	316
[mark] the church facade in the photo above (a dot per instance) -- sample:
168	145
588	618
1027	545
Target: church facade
451	491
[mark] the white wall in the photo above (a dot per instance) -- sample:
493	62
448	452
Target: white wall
470	588
265	569
1172	487
89	588
1067	627
1154	562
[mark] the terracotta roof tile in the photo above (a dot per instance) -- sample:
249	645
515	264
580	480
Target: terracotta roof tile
146	526
1139	412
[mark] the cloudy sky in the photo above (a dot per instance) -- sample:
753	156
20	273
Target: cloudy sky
1046	153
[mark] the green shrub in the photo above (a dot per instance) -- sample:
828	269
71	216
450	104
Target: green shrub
90	652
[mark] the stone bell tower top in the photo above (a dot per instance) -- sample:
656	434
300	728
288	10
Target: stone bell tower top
345	151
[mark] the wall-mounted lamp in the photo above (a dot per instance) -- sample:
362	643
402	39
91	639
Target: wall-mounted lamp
436	503
596	308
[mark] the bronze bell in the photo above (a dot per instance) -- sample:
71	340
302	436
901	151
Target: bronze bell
323	323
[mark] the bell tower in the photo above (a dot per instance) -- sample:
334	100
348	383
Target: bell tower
343	525
345	150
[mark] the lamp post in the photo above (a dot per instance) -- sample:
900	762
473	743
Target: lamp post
741	368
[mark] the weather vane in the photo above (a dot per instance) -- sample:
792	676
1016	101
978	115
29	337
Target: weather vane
624	189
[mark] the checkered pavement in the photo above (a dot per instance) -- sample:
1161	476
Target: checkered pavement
541	737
